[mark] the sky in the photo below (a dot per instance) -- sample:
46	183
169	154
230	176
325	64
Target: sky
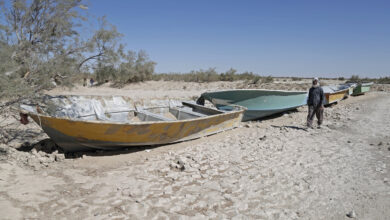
332	38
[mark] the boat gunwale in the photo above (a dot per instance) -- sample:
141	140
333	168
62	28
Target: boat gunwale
338	91
366	84
295	106
242	110
270	90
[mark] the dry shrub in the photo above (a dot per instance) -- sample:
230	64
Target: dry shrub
211	75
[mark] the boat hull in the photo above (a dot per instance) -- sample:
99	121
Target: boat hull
361	89
257	114
259	103
74	135
335	96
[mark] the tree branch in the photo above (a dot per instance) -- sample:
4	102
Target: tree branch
90	58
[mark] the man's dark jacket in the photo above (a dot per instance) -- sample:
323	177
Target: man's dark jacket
316	97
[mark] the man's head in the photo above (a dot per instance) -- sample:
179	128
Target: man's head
315	81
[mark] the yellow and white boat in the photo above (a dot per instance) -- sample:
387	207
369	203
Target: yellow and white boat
79	123
335	93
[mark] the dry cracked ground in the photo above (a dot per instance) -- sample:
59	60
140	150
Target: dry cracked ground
269	169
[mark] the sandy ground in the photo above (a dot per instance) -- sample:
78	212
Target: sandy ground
269	169
192	90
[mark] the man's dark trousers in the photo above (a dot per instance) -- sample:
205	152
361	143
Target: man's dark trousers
318	111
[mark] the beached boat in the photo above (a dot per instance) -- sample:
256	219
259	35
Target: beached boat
259	103
335	93
79	123
351	87
362	88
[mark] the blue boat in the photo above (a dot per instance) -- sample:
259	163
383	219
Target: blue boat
259	103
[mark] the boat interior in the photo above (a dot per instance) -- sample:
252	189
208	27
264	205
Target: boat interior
185	111
118	109
334	88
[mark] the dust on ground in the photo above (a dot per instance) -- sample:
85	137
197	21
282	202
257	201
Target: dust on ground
269	169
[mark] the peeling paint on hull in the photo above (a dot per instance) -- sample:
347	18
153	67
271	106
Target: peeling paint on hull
336	96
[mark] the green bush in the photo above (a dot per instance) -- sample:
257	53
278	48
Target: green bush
105	73
133	67
229	75
256	79
268	79
355	79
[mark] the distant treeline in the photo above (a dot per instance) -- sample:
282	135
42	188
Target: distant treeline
143	71
352	79
211	75
357	79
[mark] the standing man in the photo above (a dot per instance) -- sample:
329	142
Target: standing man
315	101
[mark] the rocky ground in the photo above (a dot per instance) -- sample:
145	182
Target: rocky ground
269	169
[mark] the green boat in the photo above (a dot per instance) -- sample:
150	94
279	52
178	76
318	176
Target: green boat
362	88
259	103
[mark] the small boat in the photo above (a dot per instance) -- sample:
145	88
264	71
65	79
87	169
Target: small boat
259	103
335	93
362	88
81	123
